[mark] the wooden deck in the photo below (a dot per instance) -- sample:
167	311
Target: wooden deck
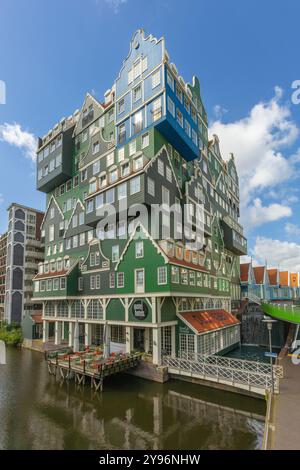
89	366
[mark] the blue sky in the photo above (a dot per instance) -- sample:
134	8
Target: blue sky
245	54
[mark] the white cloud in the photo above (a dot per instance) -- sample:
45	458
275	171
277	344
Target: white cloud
257	214
257	142
14	135
278	253
114	4
219	111
292	229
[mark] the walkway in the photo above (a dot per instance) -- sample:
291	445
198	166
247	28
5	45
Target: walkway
285	414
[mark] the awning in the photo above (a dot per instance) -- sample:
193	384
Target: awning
208	320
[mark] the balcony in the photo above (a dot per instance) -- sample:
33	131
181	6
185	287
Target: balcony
233	240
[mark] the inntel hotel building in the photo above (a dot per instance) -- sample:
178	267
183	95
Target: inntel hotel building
146	143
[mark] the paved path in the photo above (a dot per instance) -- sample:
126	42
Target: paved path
285	414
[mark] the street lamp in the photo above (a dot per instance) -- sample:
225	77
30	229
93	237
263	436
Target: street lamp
269	321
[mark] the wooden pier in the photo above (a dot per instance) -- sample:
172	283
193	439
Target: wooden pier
86	366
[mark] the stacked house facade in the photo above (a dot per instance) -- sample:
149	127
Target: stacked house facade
123	285
24	252
269	284
3	252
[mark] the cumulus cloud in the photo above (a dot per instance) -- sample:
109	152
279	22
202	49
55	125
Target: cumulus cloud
257	214
292	230
282	254
257	142
14	135
219	111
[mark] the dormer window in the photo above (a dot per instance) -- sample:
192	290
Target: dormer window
102	181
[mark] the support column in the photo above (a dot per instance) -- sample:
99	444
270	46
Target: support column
45	331
107	335
147	339
129	339
57	334
173	340
156	346
71	334
88	334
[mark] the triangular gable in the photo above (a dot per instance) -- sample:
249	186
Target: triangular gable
89	99
103	259
132	237
52	199
80	204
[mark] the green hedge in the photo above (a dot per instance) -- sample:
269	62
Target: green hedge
11	334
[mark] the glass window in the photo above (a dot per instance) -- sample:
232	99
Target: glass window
135	185
120	279
156	79
121	106
132	147
157	111
122	191
170	80
162	275
171	106
110	159
179	117
145	140
137	93
139	249
151	186
121	154
115	253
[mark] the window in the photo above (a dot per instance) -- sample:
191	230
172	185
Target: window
137	93
162	275
170	80
110	196
55	284
82	239
138	163
139	275
89	206
113	176
156	79
112	280
175	274
96	147
151	186
115	253
144	63
84	135
179	117
179	92
120	280
52	213
187	105
121	106
74	220
194	137
169	174
187	128
145	140
135	185
132	148
51	233
81	218
138	122
160	167
157	110
194	115
110	159
98	281
122	133
121	229
137	69
96	167
165	195
102	181
130	76
83	175
92	282
99	201
171	106
125	169
122	191
75	241
139	249
90	235
111	115
80	283
62	283
92	186
68	243
121	154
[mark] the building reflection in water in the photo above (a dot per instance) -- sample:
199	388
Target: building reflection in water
131	413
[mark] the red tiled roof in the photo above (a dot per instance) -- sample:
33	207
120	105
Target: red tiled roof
259	272
183	263
244	269
50	274
272	276
209	320
284	278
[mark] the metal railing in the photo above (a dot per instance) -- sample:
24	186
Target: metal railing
234	372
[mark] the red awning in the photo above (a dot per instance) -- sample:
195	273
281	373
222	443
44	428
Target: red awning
209	320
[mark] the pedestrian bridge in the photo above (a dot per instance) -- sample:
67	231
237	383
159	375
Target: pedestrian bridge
280	311
251	376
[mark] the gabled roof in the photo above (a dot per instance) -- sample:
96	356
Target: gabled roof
208	320
284	278
259	274
273	276
52	198
244	272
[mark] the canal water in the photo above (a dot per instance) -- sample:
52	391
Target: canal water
39	412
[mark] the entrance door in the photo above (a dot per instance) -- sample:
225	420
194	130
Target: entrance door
139	339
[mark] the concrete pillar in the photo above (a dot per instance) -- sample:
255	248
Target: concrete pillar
107	335
57	334
71	334
129	339
173	340
45	331
156	346
88	334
